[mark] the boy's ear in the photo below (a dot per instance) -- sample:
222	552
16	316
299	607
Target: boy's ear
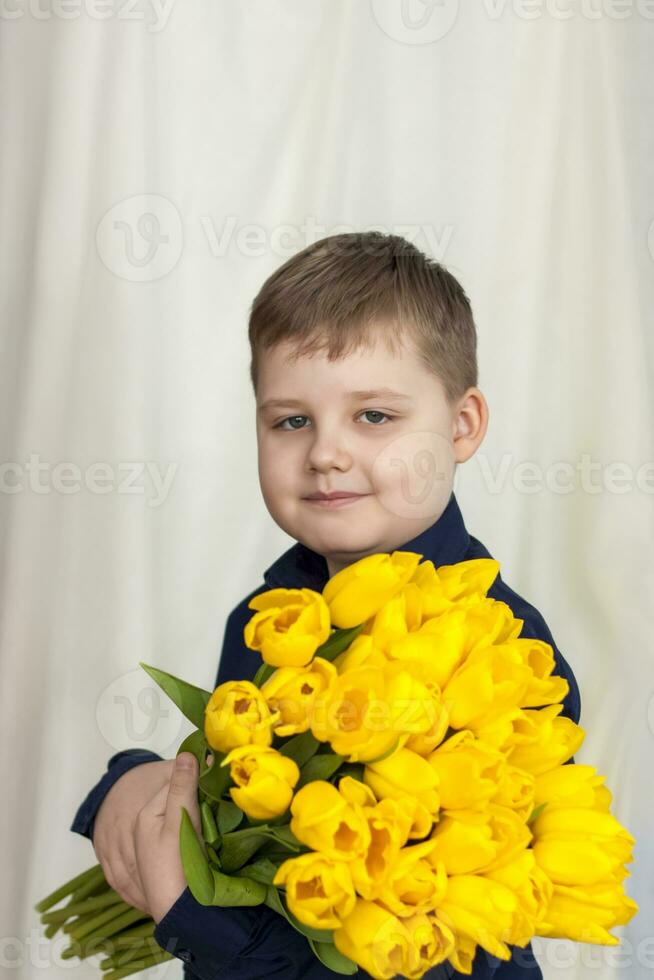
471	424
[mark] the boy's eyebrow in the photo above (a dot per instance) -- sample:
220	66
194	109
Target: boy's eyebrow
362	395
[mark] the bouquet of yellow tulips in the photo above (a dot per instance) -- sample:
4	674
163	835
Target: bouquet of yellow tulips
393	781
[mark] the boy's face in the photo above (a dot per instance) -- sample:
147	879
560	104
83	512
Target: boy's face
398	453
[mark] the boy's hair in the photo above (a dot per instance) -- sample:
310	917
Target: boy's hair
345	291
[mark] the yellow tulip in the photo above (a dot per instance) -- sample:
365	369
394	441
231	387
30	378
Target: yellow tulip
292	691
392	822
324	821
354	791
264	780
572	785
463	954
533	890
414	882
288	627
362	652
439	646
425	742
420	820
500	732
468	771
404	773
237	714
399	616
515	789
476	841
319	891
358	591
389	826
586	913
368	710
480	909
491	680
579	845
541	740
544	687
464	583
378	941
433	941
490	621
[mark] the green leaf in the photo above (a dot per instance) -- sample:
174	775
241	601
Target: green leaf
230	891
237	848
300	747
286	837
229	816
196	744
275	901
197	871
337	642
353	769
190	700
332	958
215	779
319	767
263	870
209	829
208	885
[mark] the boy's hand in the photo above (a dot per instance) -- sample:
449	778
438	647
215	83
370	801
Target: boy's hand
114	829
157	836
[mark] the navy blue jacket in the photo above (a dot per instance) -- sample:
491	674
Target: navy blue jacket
249	943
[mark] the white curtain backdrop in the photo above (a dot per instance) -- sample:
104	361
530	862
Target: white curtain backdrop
158	161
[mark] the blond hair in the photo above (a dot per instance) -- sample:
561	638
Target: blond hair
347	290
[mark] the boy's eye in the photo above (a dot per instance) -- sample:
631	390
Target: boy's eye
294	418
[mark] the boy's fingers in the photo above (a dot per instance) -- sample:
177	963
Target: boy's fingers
183	792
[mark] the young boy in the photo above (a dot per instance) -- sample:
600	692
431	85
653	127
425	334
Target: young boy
373	347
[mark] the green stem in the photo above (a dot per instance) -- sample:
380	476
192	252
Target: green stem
95	882
80	908
121	957
135	934
114	926
107	946
138	965
86	925
70	886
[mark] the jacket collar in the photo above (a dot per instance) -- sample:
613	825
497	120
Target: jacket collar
444	543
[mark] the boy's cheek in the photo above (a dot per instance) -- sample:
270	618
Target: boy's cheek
413	475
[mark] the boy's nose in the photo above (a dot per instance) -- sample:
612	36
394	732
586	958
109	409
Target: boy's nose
327	453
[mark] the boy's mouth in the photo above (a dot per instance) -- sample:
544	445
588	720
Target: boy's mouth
338	498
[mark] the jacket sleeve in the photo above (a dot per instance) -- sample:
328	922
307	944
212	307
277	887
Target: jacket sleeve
118	765
237	943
